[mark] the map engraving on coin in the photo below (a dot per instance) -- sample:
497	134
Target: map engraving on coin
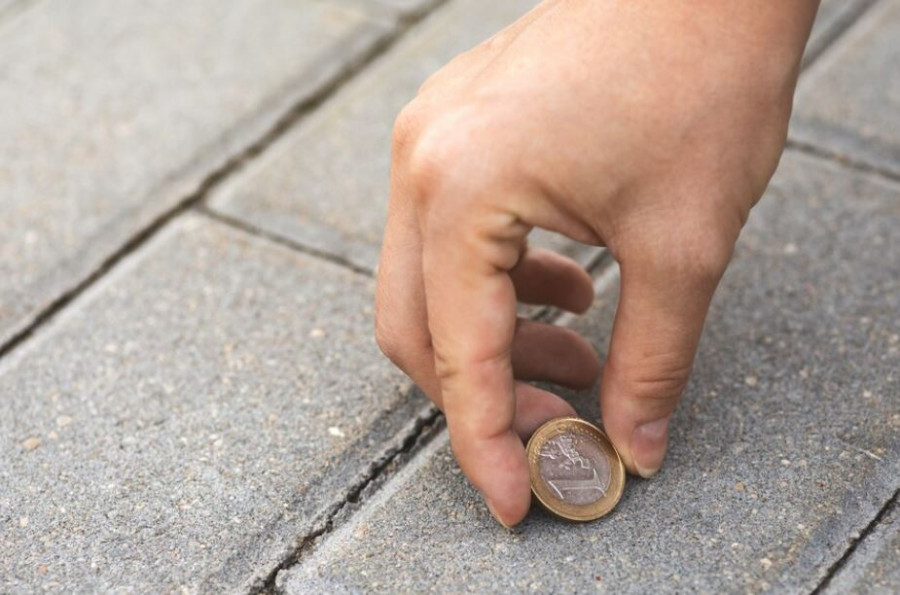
575	469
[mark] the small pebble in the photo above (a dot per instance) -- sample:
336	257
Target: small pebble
31	443
751	381
335	431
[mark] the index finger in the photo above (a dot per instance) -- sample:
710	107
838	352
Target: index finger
471	303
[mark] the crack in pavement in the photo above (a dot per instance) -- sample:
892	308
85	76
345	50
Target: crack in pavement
855	543
281	240
845	160
426	427
231	165
837	30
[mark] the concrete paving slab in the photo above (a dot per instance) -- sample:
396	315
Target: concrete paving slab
188	421
848	103
325	185
403	7
874	567
112	113
9	7
833	17
786	446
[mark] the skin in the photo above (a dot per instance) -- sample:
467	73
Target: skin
651	128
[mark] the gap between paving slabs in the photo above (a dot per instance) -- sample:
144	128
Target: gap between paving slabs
847	161
280	239
840	15
846	105
429	427
9	9
229	166
404	9
138	168
865	535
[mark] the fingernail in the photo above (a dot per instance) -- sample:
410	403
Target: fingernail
648	446
496	516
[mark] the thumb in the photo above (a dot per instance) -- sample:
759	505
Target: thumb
657	328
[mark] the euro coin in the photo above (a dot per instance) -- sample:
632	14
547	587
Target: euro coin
576	472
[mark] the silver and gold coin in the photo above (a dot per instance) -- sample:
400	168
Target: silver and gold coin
576	472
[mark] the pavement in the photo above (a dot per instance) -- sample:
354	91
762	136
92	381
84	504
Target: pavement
193	198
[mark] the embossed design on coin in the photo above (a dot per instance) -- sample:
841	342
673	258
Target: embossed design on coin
576	472
575	469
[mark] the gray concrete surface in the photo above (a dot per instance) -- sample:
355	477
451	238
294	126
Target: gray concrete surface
111	113
187	423
786	445
833	17
874	566
215	399
843	107
9	8
406	7
325	185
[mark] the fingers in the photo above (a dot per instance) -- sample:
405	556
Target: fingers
547	278
401	322
461	342
471	303
535	406
540	352
655	335
553	354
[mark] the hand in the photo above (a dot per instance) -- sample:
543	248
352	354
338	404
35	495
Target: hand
649	128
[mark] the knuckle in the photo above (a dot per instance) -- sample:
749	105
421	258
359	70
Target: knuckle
407	126
706	259
445	369
662	386
388	338
698	254
442	158
405	345
658	381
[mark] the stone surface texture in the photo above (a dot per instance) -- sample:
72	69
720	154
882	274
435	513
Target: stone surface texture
786	445
111	113
833	17
874	566
184	425
8	8
842	107
409	7
325	185
210	413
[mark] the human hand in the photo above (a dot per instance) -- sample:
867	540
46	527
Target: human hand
650	128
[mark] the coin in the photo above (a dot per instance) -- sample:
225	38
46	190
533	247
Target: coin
576	472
